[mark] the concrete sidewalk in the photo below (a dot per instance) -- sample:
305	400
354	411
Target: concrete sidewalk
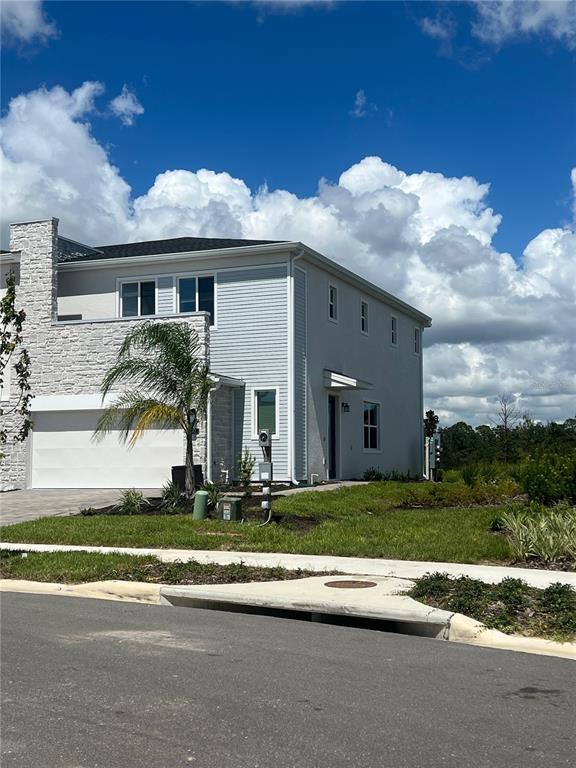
402	569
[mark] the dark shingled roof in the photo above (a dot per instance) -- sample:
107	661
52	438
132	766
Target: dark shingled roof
71	251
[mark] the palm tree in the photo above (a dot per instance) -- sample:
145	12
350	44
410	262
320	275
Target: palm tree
166	385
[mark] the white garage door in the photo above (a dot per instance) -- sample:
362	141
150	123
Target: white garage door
64	455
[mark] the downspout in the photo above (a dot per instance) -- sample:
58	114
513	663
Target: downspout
291	375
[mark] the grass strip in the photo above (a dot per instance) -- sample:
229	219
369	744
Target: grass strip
80	567
510	606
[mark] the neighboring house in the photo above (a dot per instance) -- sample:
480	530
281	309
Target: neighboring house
329	362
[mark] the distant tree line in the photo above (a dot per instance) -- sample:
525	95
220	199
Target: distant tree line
509	439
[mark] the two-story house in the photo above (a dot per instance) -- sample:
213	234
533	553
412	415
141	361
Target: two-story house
329	362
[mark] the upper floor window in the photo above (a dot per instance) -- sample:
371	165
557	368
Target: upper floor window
394	330
333	302
371	427
417	340
196	294
265	410
364	316
138	298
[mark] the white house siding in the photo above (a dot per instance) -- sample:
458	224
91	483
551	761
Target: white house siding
166	295
395	373
92	290
250	343
67	358
300	374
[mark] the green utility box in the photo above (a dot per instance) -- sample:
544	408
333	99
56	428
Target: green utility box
200	505
230	509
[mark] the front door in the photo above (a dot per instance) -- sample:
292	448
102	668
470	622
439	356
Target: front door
333	437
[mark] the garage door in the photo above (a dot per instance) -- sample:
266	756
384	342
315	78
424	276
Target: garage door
64	455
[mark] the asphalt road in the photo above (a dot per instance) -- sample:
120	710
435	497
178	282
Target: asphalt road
94	684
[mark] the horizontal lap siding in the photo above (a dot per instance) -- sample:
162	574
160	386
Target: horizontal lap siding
165	295
251	343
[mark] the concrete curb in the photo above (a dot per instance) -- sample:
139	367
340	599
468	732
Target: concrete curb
125	591
463	629
409	616
402	569
382	601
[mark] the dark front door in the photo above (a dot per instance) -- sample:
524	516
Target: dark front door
332	437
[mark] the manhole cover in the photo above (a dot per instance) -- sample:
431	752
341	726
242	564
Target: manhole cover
350	584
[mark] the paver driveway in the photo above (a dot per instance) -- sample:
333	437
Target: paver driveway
18	506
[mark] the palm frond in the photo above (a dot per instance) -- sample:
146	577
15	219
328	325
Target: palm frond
132	413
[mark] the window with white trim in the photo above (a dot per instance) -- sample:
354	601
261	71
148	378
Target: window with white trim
138	298
364	316
394	330
196	294
417	341
371	427
333	302
265	410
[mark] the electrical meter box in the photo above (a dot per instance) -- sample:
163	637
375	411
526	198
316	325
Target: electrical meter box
230	509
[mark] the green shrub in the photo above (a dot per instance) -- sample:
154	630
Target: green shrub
172	497
246	464
451	476
470	474
558	604
214	494
131	502
550	477
536	531
372	474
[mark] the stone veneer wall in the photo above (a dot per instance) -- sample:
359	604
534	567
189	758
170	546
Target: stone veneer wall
223	462
66	358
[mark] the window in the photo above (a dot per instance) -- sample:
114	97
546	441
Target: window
187	293
371	427
265	409
417	340
138	298
333	303
364	316
196	294
394	330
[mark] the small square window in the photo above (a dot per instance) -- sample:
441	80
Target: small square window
265	410
364	316
394	330
332	302
417	340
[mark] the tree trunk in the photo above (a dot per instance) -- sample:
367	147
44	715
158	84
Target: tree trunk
189	483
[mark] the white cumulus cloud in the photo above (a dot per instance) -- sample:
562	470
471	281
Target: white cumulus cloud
502	20
500	324
126	106
24	22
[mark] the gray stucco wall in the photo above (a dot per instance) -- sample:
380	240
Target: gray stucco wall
395	372
67	358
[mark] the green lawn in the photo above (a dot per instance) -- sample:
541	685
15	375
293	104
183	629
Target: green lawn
362	521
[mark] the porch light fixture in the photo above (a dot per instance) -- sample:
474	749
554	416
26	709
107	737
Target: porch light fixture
345	407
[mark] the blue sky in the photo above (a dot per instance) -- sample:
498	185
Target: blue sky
444	132
267	96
